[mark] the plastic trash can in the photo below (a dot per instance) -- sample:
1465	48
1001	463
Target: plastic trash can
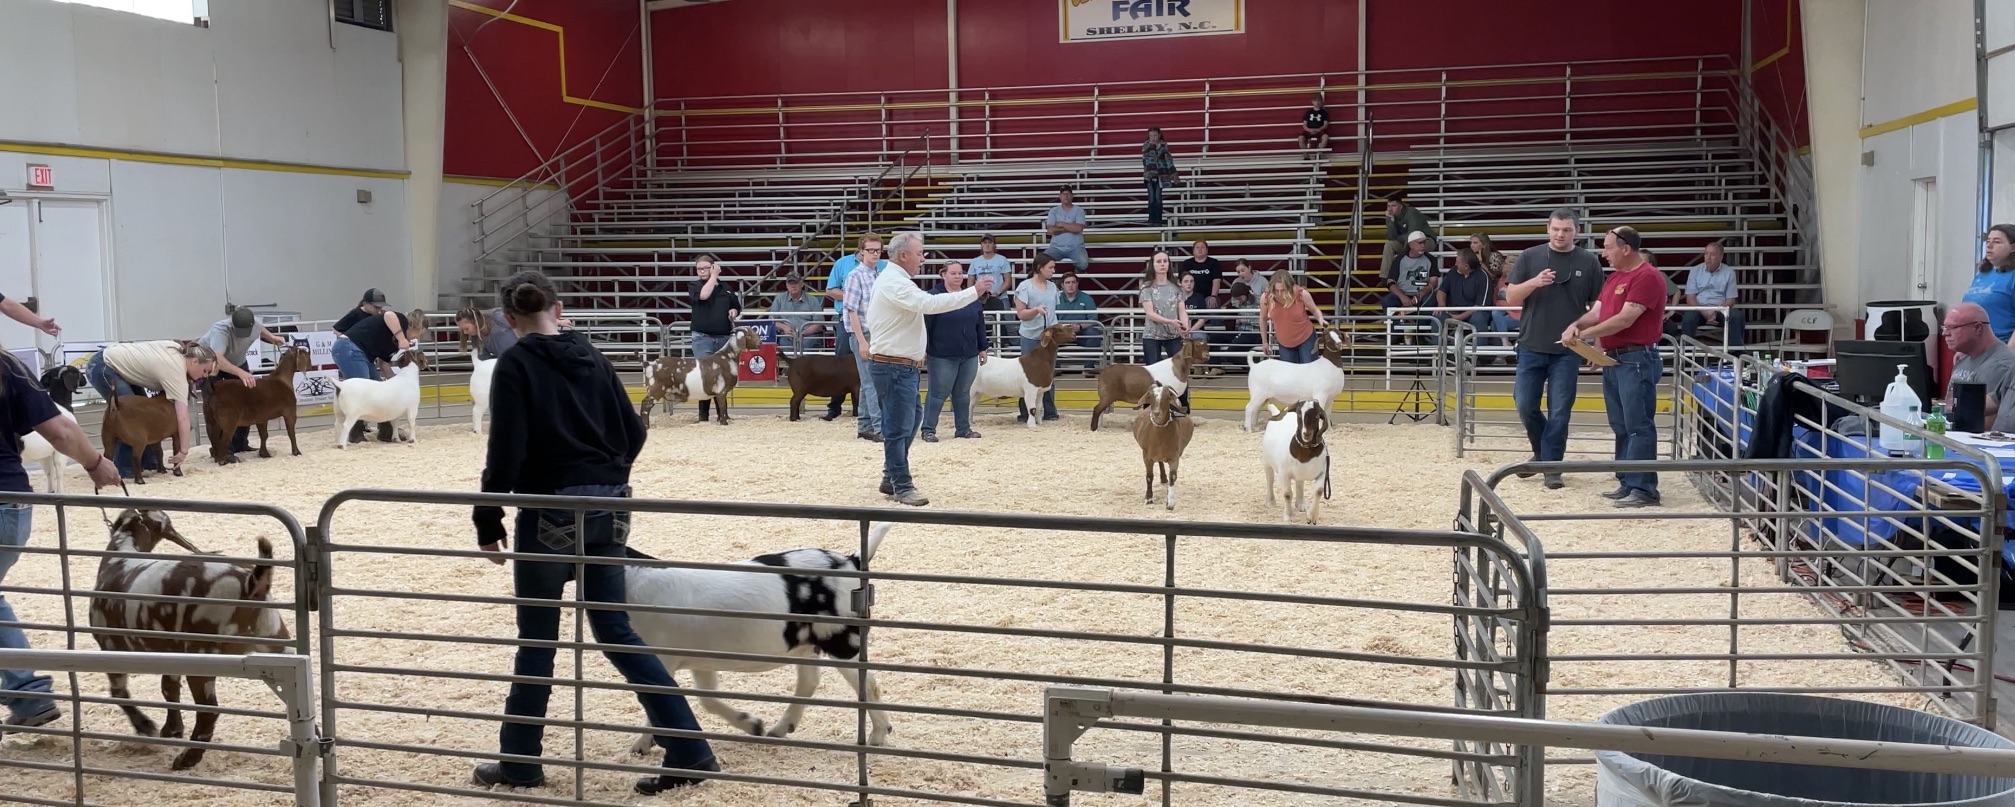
1627	780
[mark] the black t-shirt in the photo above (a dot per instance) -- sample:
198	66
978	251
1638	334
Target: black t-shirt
1466	291
1204	271
371	336
1315	117
355	316
25	407
1548	310
710	316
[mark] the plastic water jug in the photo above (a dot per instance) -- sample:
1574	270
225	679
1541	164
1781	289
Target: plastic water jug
1900	402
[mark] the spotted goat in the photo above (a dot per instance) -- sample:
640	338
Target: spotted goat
766	593
677	380
216	626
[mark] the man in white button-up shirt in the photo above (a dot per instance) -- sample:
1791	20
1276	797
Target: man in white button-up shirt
896	352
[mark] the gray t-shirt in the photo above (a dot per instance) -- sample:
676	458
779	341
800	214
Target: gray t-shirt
1058	215
1411	273
1044	298
1548	310
1166	298
225	340
1994	370
997	266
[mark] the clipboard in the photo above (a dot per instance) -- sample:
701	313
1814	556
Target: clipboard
1588	351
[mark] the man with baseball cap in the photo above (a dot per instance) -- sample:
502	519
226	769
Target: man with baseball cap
1410	281
1626	323
231	338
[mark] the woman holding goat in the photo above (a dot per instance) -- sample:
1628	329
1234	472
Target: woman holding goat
562	424
166	367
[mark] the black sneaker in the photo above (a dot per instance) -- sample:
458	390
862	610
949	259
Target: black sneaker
1637	498
887	489
830	417
491	774
930	437
872	437
1616	494
653	785
1528	474
1554	482
1048	418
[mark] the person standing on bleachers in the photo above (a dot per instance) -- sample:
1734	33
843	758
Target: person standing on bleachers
1711	282
1983	359
1993	286
836	285
1157	170
1065	227
1626	323
1315	124
995	265
1554	284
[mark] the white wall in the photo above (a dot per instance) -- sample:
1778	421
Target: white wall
1918	55
262	84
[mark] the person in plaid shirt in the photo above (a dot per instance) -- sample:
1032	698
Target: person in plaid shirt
860	285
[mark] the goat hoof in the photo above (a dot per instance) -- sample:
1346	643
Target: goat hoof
178	471
781	730
265	455
173	731
187	759
643	746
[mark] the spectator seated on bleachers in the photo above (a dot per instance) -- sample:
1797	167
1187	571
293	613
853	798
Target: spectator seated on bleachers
793	332
1065	227
1410	281
1315	124
1237	335
1464	287
1074	307
1711	282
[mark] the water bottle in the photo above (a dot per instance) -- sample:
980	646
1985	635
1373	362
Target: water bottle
1901	403
1935	424
1913	443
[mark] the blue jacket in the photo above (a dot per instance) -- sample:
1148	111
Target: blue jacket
958	334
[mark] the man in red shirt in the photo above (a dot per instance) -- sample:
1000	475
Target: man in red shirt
1626	323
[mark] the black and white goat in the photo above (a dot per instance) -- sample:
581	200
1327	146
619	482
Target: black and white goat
62	382
780	593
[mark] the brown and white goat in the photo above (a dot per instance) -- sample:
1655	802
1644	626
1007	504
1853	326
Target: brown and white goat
232	405
1028	375
1162	428
1128	382
677	380
219	627
1295	450
140	421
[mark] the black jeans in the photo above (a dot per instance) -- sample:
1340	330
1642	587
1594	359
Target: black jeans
552	532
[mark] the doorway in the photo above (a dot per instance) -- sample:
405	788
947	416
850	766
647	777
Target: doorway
53	257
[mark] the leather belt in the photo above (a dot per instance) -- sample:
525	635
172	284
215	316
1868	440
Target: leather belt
1618	351
896	360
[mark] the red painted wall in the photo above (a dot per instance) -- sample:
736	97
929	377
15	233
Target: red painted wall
1780	85
603	63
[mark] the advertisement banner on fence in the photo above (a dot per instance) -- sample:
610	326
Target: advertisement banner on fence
1100	20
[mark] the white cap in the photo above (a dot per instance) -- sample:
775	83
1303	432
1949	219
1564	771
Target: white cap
1416	235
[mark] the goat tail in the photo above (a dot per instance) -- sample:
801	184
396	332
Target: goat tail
1253	357
262	574
876	532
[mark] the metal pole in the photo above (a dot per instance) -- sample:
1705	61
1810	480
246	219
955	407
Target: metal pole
650	90
952	74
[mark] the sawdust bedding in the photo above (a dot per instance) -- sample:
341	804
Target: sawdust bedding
1387	476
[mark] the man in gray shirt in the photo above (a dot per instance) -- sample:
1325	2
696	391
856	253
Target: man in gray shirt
796	301
995	265
1555	283
1983	360
1411	281
1065	227
231	338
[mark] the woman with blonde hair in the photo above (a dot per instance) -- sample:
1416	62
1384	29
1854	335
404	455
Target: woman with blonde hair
1288	315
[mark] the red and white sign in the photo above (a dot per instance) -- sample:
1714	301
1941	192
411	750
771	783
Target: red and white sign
41	178
759	364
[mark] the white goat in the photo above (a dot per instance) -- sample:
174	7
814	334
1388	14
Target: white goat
479	393
361	400
62	382
765	593
1286	383
1295	451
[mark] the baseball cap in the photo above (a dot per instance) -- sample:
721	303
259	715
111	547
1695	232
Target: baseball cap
374	296
242	321
1416	235
795	278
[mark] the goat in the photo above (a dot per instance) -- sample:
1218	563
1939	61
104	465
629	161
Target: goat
236	629
1028	375
757	593
1286	383
140	421
833	377
674	380
1128	382
1162	428
479	393
361	400
1296	451
233	405
62	382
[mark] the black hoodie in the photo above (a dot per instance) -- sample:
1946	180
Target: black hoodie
559	417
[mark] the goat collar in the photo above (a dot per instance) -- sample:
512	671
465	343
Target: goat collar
1298	446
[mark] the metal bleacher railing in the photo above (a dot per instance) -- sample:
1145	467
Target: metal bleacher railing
1677	146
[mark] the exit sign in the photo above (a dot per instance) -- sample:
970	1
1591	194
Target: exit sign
41	178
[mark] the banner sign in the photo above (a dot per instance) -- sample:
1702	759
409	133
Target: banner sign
1101	20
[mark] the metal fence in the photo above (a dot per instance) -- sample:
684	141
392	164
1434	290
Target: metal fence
961	653
69	765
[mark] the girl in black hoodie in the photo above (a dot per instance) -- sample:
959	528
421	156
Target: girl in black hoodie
562	423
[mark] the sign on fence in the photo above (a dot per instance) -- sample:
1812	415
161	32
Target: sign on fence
1098	20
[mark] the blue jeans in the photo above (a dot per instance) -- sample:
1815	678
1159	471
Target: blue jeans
704	345
1048	395
1690	322
843	341
1154	350
532	579
869	399
1154	201
15	522
351	361
1554	375
1495	322
953	379
895	387
1303	353
1630	392
106	382
1077	257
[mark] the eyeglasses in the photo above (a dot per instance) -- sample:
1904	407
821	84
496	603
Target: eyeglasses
1952	328
876	250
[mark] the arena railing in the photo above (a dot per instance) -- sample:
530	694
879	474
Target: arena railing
1072	712
1138	627
61	581
552	188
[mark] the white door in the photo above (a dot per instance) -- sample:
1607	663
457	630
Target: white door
70	268
17	274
